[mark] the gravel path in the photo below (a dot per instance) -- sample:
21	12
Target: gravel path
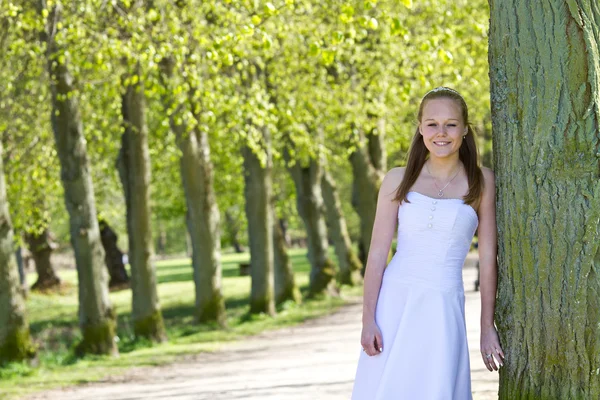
312	361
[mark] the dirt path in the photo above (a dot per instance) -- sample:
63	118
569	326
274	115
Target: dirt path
313	361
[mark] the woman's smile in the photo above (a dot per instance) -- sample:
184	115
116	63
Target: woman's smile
442	127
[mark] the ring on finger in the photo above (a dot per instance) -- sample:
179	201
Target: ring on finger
488	355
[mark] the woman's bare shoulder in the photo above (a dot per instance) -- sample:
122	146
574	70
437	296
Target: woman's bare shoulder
392	180
395	175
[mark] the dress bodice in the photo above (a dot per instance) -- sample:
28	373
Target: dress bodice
434	237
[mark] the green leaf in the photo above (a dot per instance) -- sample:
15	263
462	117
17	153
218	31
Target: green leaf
314	49
372	24
270	9
328	57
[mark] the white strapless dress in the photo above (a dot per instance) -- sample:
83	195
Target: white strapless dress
421	307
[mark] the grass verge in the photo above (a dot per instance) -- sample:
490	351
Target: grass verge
54	326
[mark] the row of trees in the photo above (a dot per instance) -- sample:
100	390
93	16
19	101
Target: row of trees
201	91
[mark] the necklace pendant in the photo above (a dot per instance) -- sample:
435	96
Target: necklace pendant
441	193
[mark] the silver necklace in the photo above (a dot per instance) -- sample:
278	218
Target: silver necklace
441	191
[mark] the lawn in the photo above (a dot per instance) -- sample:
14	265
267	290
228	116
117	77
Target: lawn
53	320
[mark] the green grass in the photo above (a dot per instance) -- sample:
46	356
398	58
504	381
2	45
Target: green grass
54	326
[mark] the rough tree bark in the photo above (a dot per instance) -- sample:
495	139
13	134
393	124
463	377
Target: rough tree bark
309	202
257	193
202	216
134	170
368	168
113	256
285	285
350	266
545	77
15	341
96	318
41	247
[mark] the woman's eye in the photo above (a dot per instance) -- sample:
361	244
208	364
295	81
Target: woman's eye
431	125
451	124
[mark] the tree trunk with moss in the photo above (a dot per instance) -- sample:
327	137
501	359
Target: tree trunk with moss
309	202
368	163
285	285
202	216
96	318
350	265
15	341
203	221
545	76
134	170
41	247
257	192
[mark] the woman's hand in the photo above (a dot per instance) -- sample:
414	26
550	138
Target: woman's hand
371	340
490	348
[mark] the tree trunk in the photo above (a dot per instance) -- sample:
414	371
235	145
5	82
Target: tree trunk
161	240
203	225
257	191
21	268
283	224
365	187
309	201
285	286
376	146
113	257
202	216
545	76
350	266
96	318
15	341
134	170
41	249
234	232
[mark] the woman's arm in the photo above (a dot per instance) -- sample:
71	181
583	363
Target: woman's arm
488	272
381	240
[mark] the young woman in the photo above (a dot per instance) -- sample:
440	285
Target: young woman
414	336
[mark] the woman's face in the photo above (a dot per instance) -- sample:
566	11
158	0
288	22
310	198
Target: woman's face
442	127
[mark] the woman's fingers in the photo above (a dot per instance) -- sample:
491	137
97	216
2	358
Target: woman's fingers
491	356
372	344
489	361
499	356
368	345
378	342
373	351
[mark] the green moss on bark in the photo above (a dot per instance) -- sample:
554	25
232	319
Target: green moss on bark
352	276
98	339
151	327
212	311
262	305
17	346
289	293
322	280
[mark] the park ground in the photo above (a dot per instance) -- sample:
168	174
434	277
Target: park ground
313	360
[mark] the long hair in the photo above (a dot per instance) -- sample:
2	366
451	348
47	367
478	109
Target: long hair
467	153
